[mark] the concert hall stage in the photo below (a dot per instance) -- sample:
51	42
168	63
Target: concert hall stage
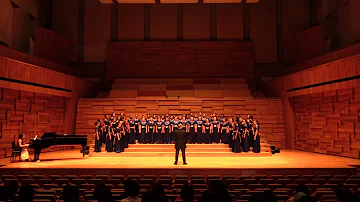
286	162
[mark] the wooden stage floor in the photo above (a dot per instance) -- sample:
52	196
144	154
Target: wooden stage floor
285	159
288	161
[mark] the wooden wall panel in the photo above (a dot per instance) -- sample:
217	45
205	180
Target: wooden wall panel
29	73
193	59
268	111
346	68
29	113
229	21
9	53
66	23
53	46
131	22
187	87
263	30
299	44
328	122
326	58
196	22
97	30
295	20
6	22
22	30
163	22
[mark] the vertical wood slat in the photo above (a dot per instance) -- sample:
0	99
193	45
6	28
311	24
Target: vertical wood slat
213	22
180	19
147	19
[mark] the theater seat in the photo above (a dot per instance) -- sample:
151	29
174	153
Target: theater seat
102	177
119	177
21	177
50	186
153	177
70	177
308	177
236	186
114	182
60	182
266	181
255	186
133	177
147	181
343	177
54	177
86	177
95	181
276	177
50	197
319	194
274	186
198	181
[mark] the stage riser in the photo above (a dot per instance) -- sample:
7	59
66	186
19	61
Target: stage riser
172	154
268	111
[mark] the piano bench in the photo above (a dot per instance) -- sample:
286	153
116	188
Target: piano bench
15	153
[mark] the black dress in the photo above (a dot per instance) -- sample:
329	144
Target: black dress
191	136
251	133
137	131
97	139
231	135
159	133
256	148
237	143
199	135
109	141
117	137
150	134
207	135
142	131
132	132
246	139
166	135
224	134
174	125
215	136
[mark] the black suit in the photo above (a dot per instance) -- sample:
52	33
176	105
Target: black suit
180	144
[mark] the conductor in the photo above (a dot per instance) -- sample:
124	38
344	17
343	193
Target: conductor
180	143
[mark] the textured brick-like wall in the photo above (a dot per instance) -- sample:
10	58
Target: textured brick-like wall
328	122
181	59
268	111
29	113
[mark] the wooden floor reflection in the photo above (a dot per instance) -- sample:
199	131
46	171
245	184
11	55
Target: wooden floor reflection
286	159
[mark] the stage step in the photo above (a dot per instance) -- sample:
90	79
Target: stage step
171	154
167	150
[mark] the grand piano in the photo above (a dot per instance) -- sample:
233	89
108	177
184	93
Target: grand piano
50	139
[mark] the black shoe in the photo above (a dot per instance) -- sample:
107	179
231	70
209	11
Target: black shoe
184	163
175	163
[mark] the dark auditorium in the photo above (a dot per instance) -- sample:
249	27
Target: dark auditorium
179	101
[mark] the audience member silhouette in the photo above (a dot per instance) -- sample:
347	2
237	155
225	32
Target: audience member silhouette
301	191
307	199
9	191
132	190
71	193
187	193
26	193
157	194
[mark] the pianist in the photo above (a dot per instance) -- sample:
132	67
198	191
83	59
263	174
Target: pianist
23	147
